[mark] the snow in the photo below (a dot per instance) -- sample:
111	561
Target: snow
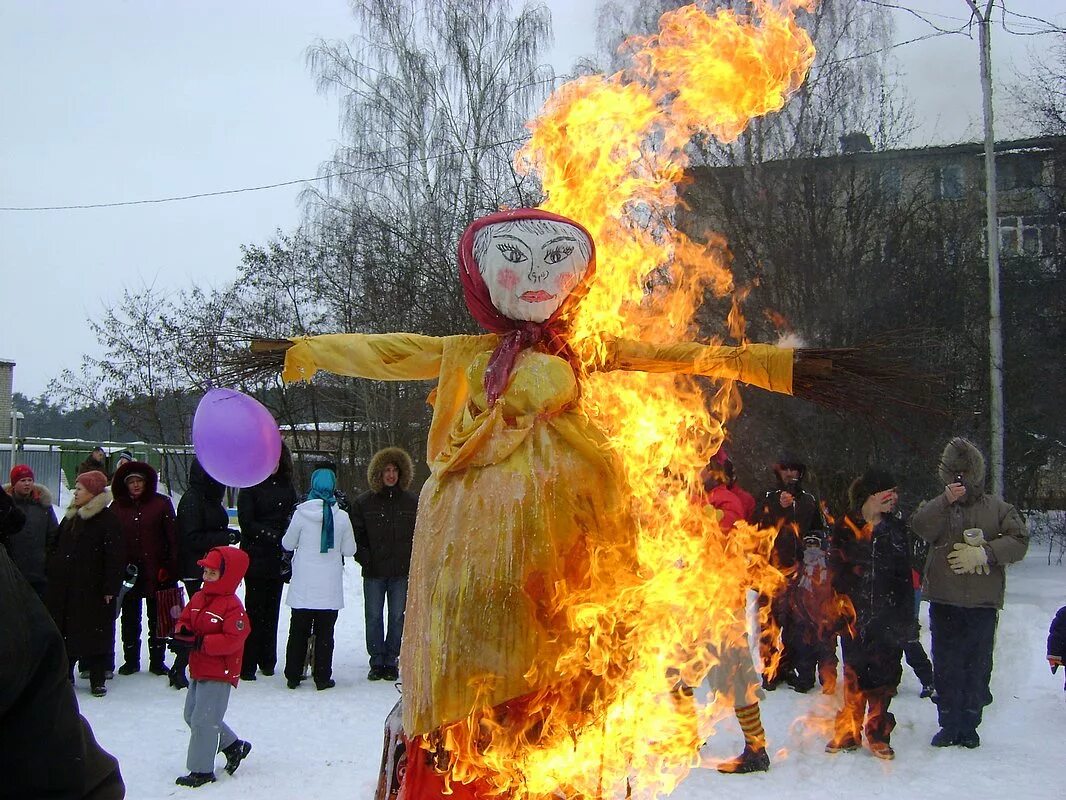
311	744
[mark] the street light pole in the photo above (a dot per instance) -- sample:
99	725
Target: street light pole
16	417
995	324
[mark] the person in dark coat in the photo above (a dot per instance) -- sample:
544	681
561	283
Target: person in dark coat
149	531
85	573
871	566
47	749
38	534
384	522
264	511
96	460
972	537
1056	641
11	518
202	525
913	649
796	515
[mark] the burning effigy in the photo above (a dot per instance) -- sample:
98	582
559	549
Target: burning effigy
561	587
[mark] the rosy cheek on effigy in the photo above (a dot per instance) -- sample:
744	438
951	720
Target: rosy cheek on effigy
507	279
565	282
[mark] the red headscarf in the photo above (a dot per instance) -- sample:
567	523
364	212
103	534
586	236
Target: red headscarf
516	335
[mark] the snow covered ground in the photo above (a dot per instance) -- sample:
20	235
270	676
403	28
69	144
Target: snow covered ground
310	744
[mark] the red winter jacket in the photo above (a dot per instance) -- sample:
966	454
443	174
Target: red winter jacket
746	500
216	614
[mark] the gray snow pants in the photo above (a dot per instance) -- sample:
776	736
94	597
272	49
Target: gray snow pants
205	706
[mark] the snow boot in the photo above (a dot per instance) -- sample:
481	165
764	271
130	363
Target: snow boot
882	750
235	754
376	674
329	683
178	679
390	674
751	760
129	667
945	737
195	779
969	739
844	744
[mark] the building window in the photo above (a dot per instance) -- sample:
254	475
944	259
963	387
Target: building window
949	182
891	180
1019	171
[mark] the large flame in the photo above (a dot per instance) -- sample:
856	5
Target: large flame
610	152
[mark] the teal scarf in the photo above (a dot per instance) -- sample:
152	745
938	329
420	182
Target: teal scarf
323	485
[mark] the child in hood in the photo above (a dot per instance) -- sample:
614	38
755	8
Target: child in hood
212	629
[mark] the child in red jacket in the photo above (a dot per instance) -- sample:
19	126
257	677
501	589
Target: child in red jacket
212	629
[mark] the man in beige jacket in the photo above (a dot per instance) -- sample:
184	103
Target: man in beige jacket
972	537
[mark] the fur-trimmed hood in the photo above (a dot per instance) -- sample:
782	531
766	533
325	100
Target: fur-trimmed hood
41	494
118	483
961	457
90	509
384	457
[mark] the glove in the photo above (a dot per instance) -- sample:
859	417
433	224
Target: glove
234	536
184	642
968	559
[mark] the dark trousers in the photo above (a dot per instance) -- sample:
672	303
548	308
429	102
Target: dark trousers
914	652
262	603
302	624
384	647
132	611
96	665
864	710
963	640
810	652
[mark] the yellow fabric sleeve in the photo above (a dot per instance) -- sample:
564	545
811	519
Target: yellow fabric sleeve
762	365
378	356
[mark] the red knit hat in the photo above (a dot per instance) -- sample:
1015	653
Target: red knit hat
20	471
93	481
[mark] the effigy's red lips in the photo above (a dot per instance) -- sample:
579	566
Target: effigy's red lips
538	296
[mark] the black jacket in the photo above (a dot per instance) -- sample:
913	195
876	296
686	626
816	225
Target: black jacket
46	748
384	523
803	517
202	521
873	568
37	536
264	511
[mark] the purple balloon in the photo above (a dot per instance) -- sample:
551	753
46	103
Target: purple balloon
236	439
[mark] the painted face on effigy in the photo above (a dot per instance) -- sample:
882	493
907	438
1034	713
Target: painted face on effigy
531	266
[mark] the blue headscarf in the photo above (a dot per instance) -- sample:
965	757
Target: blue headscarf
323	485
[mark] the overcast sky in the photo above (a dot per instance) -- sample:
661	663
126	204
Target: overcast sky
108	101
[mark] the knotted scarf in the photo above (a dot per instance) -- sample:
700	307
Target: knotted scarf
323	486
516	335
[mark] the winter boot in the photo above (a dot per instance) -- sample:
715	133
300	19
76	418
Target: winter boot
156	652
945	737
882	750
195	779
751	760
842	744
129	667
235	754
329	683
928	691
96	683
178	680
969	739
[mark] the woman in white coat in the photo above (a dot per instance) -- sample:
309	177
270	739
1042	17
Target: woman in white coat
320	534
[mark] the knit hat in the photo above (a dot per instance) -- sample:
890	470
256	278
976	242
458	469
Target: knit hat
131	475
20	471
871	482
124	455
93	481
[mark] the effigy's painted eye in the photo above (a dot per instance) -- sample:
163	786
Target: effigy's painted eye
557	254
511	253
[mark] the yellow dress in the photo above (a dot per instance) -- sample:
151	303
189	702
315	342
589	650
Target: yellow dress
518	498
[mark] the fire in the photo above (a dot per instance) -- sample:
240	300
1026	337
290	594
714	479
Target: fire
610	151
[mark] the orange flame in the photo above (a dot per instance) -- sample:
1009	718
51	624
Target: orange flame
610	151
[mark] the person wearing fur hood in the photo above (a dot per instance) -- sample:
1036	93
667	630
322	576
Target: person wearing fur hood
972	536
149	530
29	546
384	522
321	535
85	572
